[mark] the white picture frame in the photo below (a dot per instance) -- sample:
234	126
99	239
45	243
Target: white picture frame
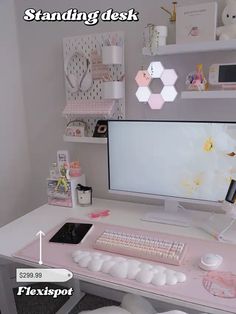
196	23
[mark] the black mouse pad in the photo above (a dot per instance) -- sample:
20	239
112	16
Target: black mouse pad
72	233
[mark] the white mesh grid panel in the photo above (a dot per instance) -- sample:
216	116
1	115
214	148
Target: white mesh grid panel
86	44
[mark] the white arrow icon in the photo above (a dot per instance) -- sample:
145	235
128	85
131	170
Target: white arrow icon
40	234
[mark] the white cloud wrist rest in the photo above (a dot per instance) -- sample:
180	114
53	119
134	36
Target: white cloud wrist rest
124	268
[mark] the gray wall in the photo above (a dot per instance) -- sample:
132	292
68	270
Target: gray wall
44	93
14	153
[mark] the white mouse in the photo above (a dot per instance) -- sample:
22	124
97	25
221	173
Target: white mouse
210	261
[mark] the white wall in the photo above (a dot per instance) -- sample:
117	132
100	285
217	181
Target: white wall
43	83
14	153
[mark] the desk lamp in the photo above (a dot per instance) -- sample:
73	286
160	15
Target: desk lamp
218	225
173	13
229	206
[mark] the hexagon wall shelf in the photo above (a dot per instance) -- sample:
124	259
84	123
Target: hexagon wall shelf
143	94
169	93
155	69
168	78
156	101
143	78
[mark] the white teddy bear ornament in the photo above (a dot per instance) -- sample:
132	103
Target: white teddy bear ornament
228	31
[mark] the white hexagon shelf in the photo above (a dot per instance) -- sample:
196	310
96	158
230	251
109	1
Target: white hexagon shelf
143	94
168	78
169	93
155	69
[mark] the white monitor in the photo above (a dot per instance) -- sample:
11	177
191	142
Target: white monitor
172	160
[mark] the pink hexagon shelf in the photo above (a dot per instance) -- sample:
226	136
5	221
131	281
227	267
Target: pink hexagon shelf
156	101
143	78
168	78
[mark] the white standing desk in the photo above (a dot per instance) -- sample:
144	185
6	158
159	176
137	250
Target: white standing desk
17	234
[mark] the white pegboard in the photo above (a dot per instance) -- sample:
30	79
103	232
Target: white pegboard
86	44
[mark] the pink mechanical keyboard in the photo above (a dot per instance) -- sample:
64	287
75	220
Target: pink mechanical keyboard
142	246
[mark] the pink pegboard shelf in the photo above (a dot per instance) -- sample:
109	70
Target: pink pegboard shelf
85	108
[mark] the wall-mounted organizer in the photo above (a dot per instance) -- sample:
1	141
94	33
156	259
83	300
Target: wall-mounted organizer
94	80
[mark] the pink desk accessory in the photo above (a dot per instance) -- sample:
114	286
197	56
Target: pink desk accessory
215	289
100	213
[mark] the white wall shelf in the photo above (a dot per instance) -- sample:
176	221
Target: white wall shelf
217	45
219	94
91	140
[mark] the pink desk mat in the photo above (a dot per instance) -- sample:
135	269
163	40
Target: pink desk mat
212	289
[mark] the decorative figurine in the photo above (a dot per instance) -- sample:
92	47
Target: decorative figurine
196	80
64	177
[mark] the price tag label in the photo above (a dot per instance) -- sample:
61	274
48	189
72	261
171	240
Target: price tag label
42	275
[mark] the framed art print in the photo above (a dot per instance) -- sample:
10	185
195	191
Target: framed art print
196	23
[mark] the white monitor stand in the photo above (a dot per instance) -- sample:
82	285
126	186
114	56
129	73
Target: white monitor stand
172	213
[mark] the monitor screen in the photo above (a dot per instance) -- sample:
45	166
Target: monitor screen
184	160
